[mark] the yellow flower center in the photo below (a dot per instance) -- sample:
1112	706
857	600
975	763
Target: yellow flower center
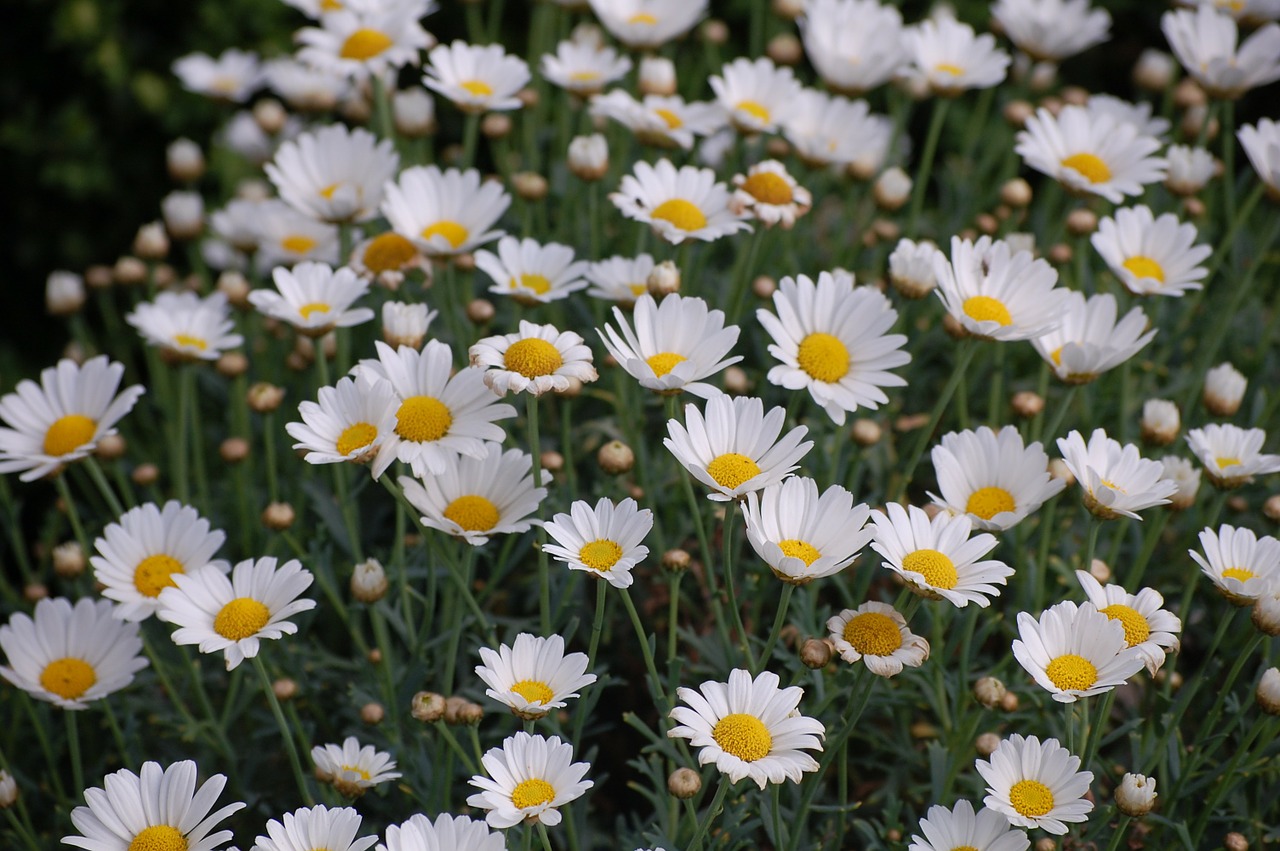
638	290
314	307
1243	574
664	362
455	233
159	837
1136	628
873	634
744	736
191	340
388	252
297	243
534	691
479	88
642	18
1031	798
327	192
936	568
803	550
155	573
584	76
673	120
473	513
330	5
68	434
533	357
356	436
538	283
1145	267
1225	461
731	469
68	678
823	357
964	848
681	213
601	554
948	68
755	109
1070	672
241	618
1089	165
360	772
532	793
768	188
364	44
423	419
1056	356
984	308
988	502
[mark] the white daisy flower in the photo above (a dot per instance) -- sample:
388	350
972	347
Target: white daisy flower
647	24
372	39
735	448
531	777
314	298
769	194
831	340
1125	112
1036	784
138	555
1090	153
832	130
387	258
349	421
1184	475
1151	256
1190	169
960	827
992	477
584	69
353	769
911	268
679	205
951	57
674	346
538	359
70	656
304	87
1116	479
185	326
334	174
406	324
620	279
803	535
233	76
157	808
758	95
1090	341
313	828
457	833
233	614
664	121
237	223
607	540
286	236
1242	566
855	45
749	728
877	634
476	498
530	272
997	293
1261	143
1074	651
1205	42
444	212
62	418
1149	628
1052	30
476	77
1231	456
533	676
937	558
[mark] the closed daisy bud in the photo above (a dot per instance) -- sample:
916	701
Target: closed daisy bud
1266	613
529	185
716	31
278	516
1046	844
285	688
676	560
64	293
233	450
129	270
470	714
264	397
184	160
372	713
684	783
1224	388
657	76
1016	193
664	279
111	447
1027	403
481	311
866	432
68	560
1268	693
1271	508
1081	222
589	156
892	189
815	653
1234	841
8	790
183	214
151	242
986	744
616	458
989	691
784	49
1160	422
763	286
428	706
414	113
1154	70
145	474
369	581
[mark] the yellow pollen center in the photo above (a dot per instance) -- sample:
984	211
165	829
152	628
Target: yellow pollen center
330	5
68	434
948	68
936	568
664	362
584	76
479	88
1136	628
297	243
355	436
155	573
1031	798
455	233
681	213
533	357
731	469
532	793
534	691
988	502
356	770
1243	574
68	678
824	357
873	634
803	550
601	554
1144	267
191	340
638	290
673	120
314	307
241	618
1056	356
984	308
1225	461
1070	672
768	188
755	109
964	848
538	283
159	837
328	191
744	736
1089	165
423	419
473	513
388	252
642	18
365	44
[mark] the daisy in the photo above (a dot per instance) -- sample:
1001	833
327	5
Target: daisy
832	130
406	324
1036	784
314	298
620	279
531	777
770	195
1151	256
1190	169
1231	456
1090	153
532	273
991	477
185	326
475	498
960	827
607	540
70	656
911	268
758	95
877	634
1247	11
538	359
1074	651
937	558
387	258
1149	628
237	223
441	413
855	45
997	293
361	42
1261	143
1186	477
1205	42
233	614
951	57
62	418
334	174
679	205
1052	30
353	769
444	212
584	69
735	448
286	236
476	78
1115	479
1090	341
647	24
456	833
138	555
1241	565
304	87
674	346
157	808
831	339
1224	389
1124	112
349	422
233	76
802	535
314	828
664	121
534	675
749	728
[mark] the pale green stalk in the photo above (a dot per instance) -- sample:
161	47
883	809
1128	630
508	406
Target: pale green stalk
285	732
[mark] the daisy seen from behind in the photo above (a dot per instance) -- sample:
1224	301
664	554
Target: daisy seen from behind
936	557
531	272
1090	341
1241	565
334	174
687	203
992	477
1205	41
530	777
1149	628
877	635
1151	256
444	212
1075	651
313	828
1052	30
1231	456
352	769
1036	784
314	298
803	535
606	539
952	58
459	833
757	94
997	293
349	421
1116	479
960	827
370	40
1091	153
534	675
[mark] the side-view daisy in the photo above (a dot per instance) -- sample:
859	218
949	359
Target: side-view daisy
758	95
1052	30
952	58
185	326
1036	784
770	195
1074	651
992	477
960	827
1261	142
286	236
534	675
606	539
537	359
352	769
1090	341
476	78
233	76
583	69
349	421
1149	628
314	298
855	45
620	279
1205	42
876	634
333	829
531	272
1151	256
419	833
678	204
664	121
998	293
937	558
1242	565
360	42
1091	153
334	174
444	212
530	777
1116	479
1231	456
803	535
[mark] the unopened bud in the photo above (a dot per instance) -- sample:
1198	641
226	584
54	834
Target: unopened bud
657	76
68	560
1016	193
892	189
145	474
616	458
369	581
1027	403
1060	254
736	381
428	707
552	461
372	713
278	516
1268	693
1160	422
270	115
784	49
763	286
1082	222
34	592
1266	613
1016	113
866	432
183	214
1154	70
414	113
151	242
788	10
676	560
285	688
1009	703
1100	570
235	287
815	653
480	311
232	364
111	447
529	185
664	279
1235	841
265	397
1044	843
129	271
1058	469
1224	387
684	783
233	450
589	156
63	293
1271	508
989	691
986	744
8	790
184	160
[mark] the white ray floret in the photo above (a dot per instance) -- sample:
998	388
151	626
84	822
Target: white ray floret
606	539
960	827
803	535
1116	479
1091	153
687	203
314	298
444	212
534	675
877	635
530	778
1149	628
348	422
1075	651
992	477
538	359
1151	256
1090	341
996	292
1231	456
334	174
477	78
532	272
1036	784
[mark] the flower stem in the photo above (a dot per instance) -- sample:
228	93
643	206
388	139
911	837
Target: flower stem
73	514
287	734
643	635
544	573
726	537
717	803
926	163
73	745
99	478
963	357
781	618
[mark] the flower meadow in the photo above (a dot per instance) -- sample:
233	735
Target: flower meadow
788	426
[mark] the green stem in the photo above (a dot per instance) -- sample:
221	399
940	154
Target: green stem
1064	406
104	487
287	734
73	514
544	572
926	163
470	132
781	618
1093	735
181	453
1228	778
542	834
963	357
717	803
643	635
726	537
1119	833
73	745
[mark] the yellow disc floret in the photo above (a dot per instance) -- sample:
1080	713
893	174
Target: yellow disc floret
744	736
937	568
1136	628
473	513
643	18
803	550
297	244
949	69
1224	461
455	233
155	573
988	502
673	120
540	284
873	634
479	88
755	109
1090	166
1031	798
314	307
423	419
768	187
823	357
1144	267
532	793
1243	574
159	837
68	678
241	618
664	362
984	308
355	436
388	252
601	554
532	357
731	469
68	434
365	44
1070	672
192	341
534	691
683	214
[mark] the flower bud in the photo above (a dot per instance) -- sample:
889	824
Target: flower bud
1016	193
588	35
264	397
405	324
1189	169
911	268
736	381
714	31
414	113
1186	476
1058	469
784	49
866	432
129	270
1268	693
552	461
589	156
111	447
369	581
145	474
1266	613
480	311
183	214
1154	70
68	560
892	189
788	9
763	286
989	691
184	160
63	293
278	516
285	688
1009	703
529	185
1082	221
815	653
428	707
1160	422
8	790
232	364
1044	843
496	125
657	76
986	744
1224	388
233	450
1027	403
151	242
1234	841
664	279
684	783
616	458
235	287
676	560
372	713
1271	508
